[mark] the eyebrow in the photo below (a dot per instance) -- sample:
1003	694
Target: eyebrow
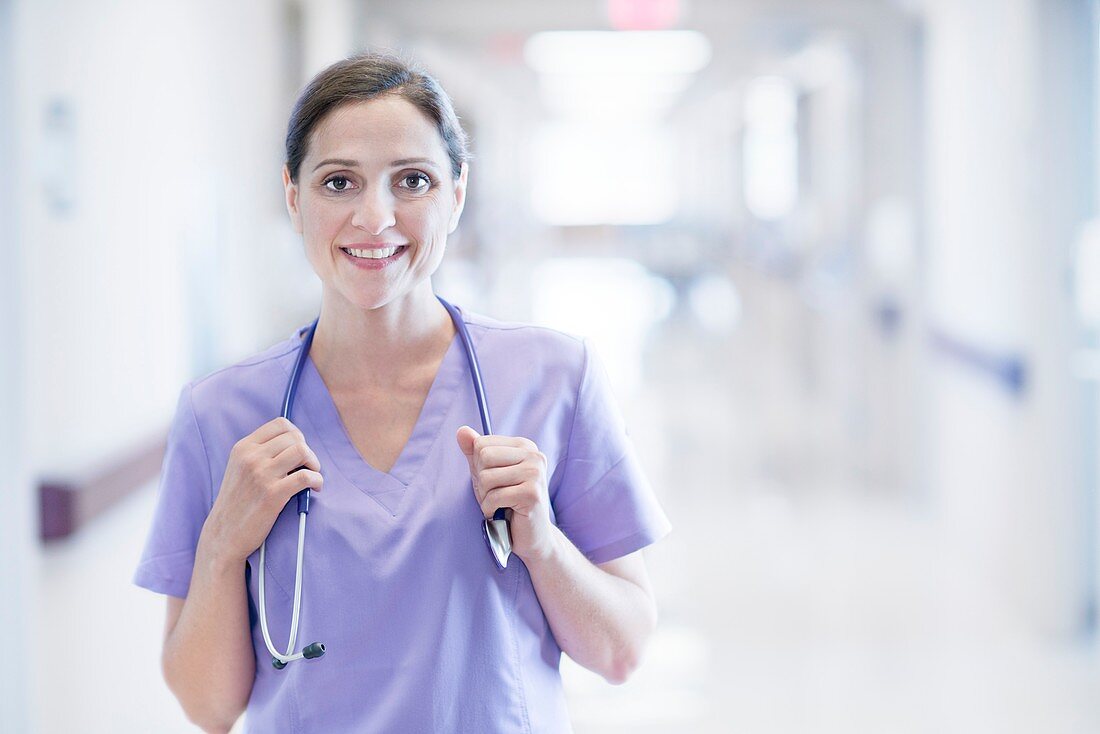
336	162
348	163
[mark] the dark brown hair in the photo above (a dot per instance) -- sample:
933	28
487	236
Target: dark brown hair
368	76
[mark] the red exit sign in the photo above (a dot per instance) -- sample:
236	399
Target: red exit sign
643	15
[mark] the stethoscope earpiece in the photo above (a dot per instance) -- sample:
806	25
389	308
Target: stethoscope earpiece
316	650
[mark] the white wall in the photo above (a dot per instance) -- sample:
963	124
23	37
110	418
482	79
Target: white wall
171	167
152	246
1007	87
18	556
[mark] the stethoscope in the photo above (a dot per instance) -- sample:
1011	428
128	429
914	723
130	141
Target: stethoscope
495	530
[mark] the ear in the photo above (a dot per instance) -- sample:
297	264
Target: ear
460	197
291	190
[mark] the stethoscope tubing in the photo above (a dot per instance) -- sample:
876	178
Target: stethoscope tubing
495	530
475	367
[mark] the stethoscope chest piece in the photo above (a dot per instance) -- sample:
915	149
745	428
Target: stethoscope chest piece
500	542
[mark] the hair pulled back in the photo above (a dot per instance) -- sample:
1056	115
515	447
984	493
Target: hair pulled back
368	76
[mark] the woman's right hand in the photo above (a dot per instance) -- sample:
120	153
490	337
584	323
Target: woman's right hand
266	468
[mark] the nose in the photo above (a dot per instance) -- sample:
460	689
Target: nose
375	212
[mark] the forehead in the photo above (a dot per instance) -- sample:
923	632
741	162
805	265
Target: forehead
388	127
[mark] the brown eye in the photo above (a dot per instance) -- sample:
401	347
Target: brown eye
416	182
337	183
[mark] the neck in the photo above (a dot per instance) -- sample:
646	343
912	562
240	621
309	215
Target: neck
384	343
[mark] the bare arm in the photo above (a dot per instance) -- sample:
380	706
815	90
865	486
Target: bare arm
601	615
208	661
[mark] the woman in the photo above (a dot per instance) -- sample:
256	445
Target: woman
423	632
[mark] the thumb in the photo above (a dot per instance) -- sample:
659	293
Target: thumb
466	437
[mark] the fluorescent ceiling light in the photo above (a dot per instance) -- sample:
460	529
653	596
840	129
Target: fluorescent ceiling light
611	96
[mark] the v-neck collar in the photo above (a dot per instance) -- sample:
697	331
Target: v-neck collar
386	487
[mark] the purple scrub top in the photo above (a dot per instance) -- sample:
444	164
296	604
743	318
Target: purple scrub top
423	633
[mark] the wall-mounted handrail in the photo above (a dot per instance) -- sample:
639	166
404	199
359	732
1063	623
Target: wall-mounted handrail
67	503
1007	369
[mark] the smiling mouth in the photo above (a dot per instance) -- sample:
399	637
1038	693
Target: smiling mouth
374	254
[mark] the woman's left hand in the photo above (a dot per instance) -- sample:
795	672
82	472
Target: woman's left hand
510	472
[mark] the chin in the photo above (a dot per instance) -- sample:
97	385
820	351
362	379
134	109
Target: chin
372	301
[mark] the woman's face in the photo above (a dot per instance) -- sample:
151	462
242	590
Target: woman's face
375	177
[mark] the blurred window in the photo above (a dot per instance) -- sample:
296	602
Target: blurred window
770	155
603	174
607	157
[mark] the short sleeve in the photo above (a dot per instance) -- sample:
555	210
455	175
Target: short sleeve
603	503
183	502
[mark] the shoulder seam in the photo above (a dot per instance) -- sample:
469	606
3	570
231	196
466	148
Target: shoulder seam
576	409
244	363
205	453
517	327
599	479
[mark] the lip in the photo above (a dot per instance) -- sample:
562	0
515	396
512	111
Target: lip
369	264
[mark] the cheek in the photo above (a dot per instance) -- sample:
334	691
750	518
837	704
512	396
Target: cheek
314	255
320	222
429	221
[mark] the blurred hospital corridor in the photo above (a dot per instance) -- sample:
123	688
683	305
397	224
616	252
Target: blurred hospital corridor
840	258
801	592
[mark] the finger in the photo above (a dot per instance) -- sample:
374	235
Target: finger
294	456
296	482
491	456
466	437
273	428
498	440
506	476
511	498
275	446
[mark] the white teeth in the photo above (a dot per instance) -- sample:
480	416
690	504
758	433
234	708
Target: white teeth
371	254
